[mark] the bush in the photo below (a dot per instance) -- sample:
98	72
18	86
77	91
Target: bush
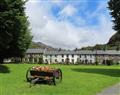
96	63
40	60
109	62
117	63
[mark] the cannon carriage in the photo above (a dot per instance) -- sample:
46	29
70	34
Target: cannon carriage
44	74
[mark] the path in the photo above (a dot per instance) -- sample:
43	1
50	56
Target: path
114	90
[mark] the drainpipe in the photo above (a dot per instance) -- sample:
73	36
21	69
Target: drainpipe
96	61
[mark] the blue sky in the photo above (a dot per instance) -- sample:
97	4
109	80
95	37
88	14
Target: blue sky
84	8
70	24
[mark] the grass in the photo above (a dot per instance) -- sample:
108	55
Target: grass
77	80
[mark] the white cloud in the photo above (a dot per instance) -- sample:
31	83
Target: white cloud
56	1
45	28
32	1
68	10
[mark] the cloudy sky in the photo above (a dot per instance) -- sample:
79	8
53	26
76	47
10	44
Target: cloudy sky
69	24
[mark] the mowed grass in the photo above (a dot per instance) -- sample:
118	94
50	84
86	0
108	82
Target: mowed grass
77	80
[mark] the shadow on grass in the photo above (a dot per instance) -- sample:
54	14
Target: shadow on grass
4	69
40	83
108	72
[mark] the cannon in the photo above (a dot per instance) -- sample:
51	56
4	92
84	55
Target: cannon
44	74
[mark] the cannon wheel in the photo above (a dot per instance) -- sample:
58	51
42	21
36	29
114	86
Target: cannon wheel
28	75
57	76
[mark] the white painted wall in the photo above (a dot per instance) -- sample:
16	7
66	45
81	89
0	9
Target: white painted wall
59	58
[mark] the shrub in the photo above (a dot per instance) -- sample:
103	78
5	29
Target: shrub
109	62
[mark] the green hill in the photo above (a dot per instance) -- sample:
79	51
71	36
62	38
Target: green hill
113	44
114	40
41	46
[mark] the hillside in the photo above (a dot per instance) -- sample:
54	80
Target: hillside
114	40
113	44
41	46
100	47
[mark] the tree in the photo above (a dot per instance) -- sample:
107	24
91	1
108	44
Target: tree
67	61
118	47
40	60
15	37
105	47
114	7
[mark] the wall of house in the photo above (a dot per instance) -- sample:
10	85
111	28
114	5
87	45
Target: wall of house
72	58
103	58
75	58
33	58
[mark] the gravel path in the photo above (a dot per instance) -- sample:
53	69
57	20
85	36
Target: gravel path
114	90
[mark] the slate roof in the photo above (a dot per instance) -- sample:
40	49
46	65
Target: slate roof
35	51
68	52
108	52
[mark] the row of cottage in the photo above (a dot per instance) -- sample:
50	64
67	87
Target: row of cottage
71	57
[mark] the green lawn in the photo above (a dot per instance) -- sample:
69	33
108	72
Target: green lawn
77	80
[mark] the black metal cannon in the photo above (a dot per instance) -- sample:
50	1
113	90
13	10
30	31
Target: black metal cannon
44	74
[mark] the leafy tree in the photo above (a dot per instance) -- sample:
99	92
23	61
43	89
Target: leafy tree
15	37
40	60
118	47
114	6
67	61
105	47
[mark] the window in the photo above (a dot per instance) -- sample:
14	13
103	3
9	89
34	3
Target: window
90	61
56	60
46	60
67	55
31	55
72	60
35	59
30	59
62	55
72	55
63	60
83	61
55	55
85	56
90	56
86	61
80	56
26	59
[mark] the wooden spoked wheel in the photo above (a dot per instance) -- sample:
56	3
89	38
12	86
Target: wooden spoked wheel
28	75
57	76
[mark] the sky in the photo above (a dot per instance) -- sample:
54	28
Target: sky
69	24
